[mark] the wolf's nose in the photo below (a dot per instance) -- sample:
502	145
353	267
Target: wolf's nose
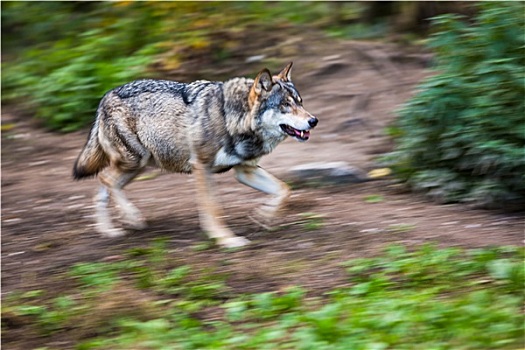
313	122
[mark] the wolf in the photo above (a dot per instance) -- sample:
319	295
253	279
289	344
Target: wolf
203	127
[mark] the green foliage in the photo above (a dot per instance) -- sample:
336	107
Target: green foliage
312	221
461	138
374	198
52	318
65	76
428	298
61	57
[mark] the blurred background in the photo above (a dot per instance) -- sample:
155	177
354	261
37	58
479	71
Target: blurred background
59	58
90	47
427	99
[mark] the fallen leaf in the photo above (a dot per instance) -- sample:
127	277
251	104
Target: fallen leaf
381	172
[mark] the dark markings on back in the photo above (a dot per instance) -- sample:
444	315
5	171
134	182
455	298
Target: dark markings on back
138	87
193	90
188	92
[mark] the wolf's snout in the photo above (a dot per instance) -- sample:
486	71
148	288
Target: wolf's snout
313	122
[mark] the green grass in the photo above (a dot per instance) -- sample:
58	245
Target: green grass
312	221
424	299
374	198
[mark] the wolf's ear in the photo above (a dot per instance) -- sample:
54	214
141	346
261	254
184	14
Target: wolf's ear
263	81
286	73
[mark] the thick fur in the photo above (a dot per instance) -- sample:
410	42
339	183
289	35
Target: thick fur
202	128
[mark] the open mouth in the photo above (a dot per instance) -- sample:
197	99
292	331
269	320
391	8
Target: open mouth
301	135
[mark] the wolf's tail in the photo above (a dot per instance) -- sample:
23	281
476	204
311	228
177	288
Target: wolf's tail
92	159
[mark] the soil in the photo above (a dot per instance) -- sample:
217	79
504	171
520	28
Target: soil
353	88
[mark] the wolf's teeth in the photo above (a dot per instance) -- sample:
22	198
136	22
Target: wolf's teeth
302	133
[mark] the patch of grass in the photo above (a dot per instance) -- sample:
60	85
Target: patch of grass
374	198
312	221
399	228
202	246
428	298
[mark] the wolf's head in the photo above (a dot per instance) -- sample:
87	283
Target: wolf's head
278	106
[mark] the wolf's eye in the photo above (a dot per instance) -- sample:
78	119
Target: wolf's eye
287	104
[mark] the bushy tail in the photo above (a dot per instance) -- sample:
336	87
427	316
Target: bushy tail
92	159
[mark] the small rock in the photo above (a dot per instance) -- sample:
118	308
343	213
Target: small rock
256	58
113	258
305	245
473	226
331	172
450	223
371	230
331	57
38	163
15	253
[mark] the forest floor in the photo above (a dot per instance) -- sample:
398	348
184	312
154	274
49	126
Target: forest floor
353	88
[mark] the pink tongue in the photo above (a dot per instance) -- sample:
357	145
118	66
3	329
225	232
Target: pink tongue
305	133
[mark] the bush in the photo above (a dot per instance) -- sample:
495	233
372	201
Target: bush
61	57
67	55
462	137
62	78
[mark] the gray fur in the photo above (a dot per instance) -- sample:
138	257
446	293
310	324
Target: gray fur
209	126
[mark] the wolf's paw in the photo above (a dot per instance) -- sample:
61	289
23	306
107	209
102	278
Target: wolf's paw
135	224
132	218
270	210
262	220
232	242
265	216
113	233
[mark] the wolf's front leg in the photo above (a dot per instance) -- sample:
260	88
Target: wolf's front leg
210	213
259	179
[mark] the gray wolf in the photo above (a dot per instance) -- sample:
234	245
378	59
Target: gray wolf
202	128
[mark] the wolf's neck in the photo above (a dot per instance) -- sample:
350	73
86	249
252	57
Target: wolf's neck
236	109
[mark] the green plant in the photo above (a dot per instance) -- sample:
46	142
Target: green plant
312	221
461	138
59	58
66	78
50	318
373	198
399	228
402	299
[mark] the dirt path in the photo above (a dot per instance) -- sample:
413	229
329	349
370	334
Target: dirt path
352	87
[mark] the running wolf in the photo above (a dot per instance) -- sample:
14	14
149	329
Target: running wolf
202	128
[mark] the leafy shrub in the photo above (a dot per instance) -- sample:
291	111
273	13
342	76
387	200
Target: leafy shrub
462	137
61	57
62	79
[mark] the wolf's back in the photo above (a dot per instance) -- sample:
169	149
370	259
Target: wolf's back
92	159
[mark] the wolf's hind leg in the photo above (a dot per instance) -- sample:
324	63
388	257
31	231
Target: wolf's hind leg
115	179
102	216
259	179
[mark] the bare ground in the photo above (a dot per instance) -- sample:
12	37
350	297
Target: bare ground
352	87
